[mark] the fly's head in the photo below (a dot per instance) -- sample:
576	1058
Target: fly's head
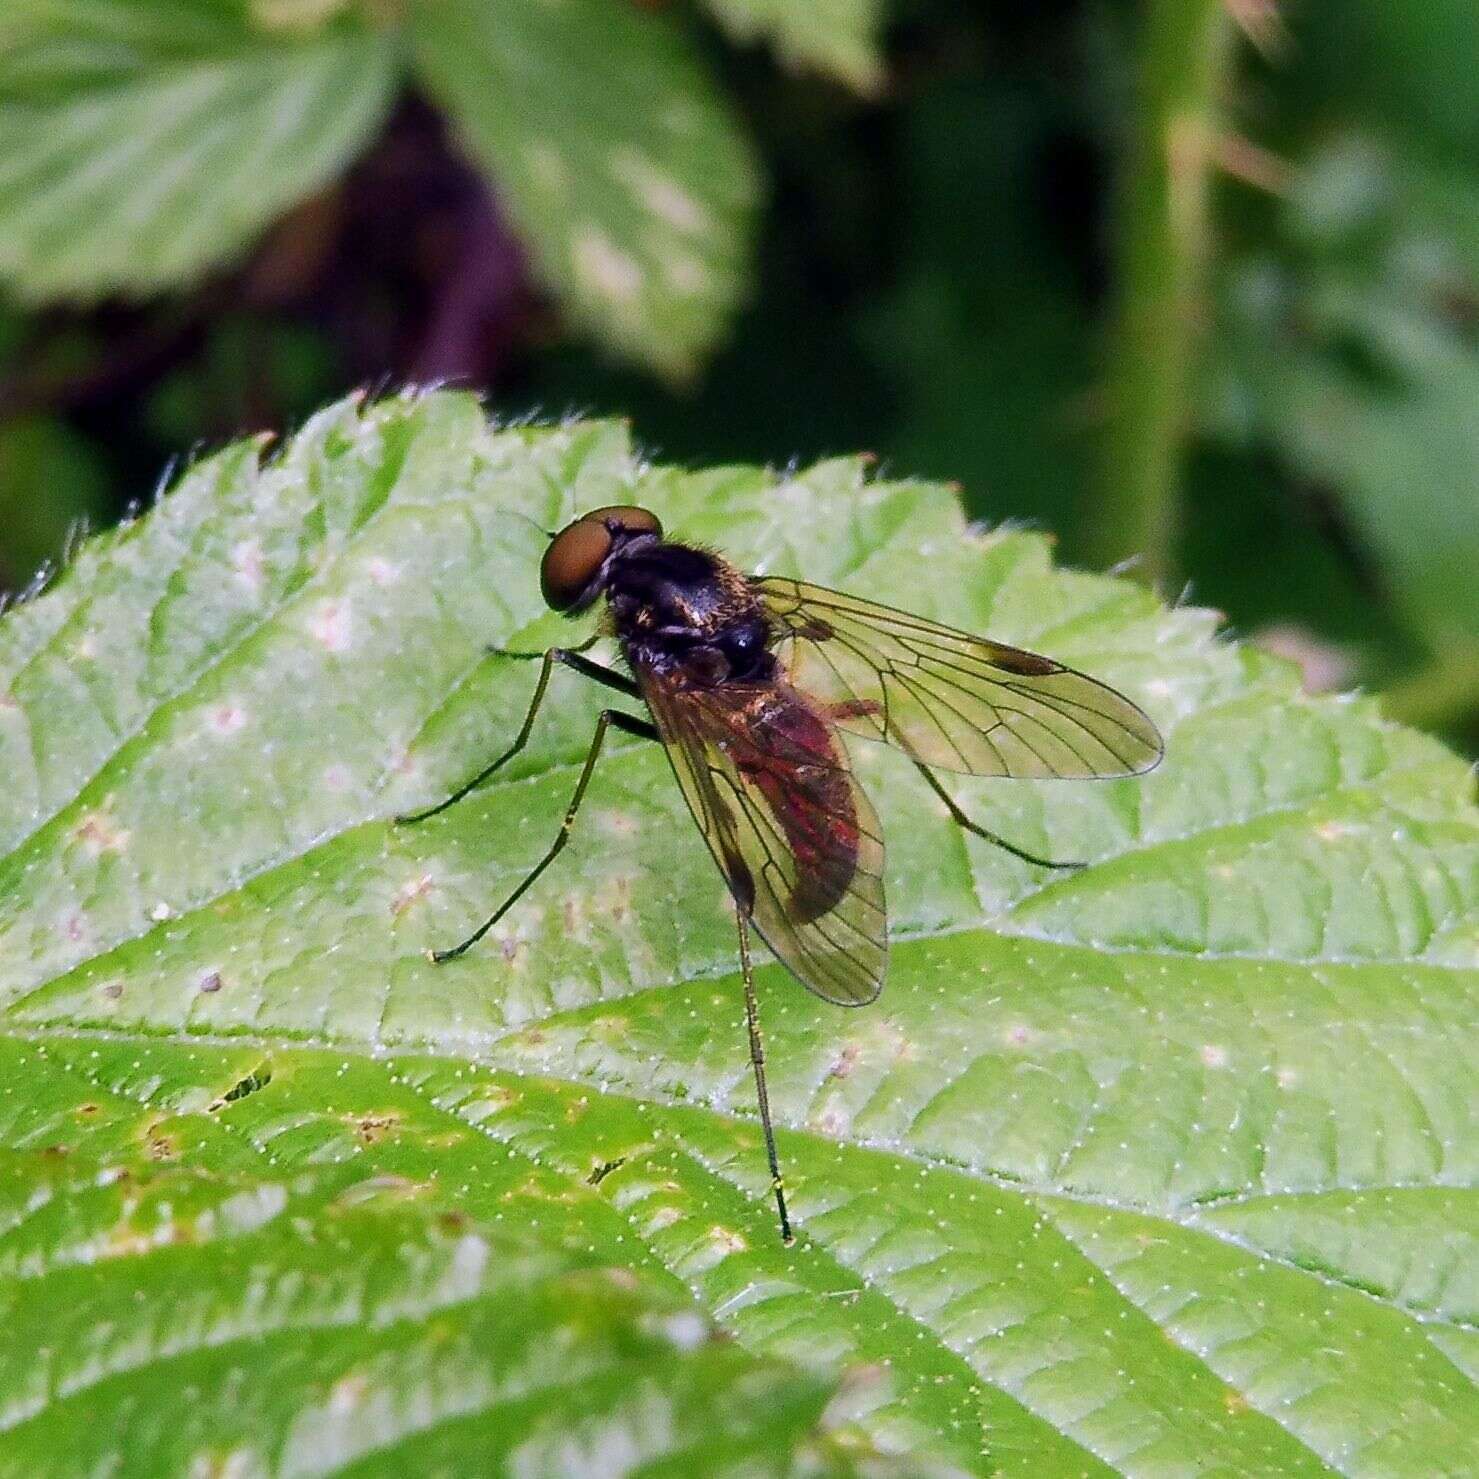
577	564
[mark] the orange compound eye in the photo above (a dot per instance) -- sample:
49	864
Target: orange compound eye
625	517
572	563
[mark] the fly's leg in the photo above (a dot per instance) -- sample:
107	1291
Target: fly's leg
522	739
536	656
570	657
609	717
963	820
757	1061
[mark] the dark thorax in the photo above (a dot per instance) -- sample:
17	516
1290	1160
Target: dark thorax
686	614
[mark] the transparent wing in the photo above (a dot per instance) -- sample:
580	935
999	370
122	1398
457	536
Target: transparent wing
948	699
767	779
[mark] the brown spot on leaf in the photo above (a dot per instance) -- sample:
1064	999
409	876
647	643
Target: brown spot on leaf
603	1170
371	1128
99	834
846	1060
160	1146
409	893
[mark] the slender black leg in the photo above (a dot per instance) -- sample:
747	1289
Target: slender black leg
536	656
609	717
757	1060
546	668
570	657
963	820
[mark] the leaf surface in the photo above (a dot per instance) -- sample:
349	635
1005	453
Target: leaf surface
141	145
1163	1165
841	37
613	153
1371	397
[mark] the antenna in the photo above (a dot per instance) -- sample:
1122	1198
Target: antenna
516	514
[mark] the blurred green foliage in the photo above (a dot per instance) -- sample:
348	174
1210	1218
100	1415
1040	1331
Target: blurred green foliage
771	232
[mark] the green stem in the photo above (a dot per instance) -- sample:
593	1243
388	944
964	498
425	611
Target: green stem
1186	49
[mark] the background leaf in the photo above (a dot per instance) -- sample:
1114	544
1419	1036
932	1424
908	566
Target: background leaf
1165	1164
637	205
837	36
143	144
1352	354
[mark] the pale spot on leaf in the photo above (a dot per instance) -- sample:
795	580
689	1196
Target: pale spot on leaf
686	1331
347	1393
236	1463
227	719
330	626
99	834
246	563
603	268
409	893
547	166
685	274
657	192
725	1240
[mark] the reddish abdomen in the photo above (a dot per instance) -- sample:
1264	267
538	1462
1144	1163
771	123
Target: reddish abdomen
794	759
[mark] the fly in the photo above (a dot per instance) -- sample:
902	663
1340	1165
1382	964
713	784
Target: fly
750	683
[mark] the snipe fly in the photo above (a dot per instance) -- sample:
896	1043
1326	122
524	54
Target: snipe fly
748	682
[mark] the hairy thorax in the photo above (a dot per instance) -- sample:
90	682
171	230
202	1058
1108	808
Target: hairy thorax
686	613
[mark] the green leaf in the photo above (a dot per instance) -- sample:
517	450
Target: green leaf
1351	357
1163	1165
841	37
142	145
337	1320
615	157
